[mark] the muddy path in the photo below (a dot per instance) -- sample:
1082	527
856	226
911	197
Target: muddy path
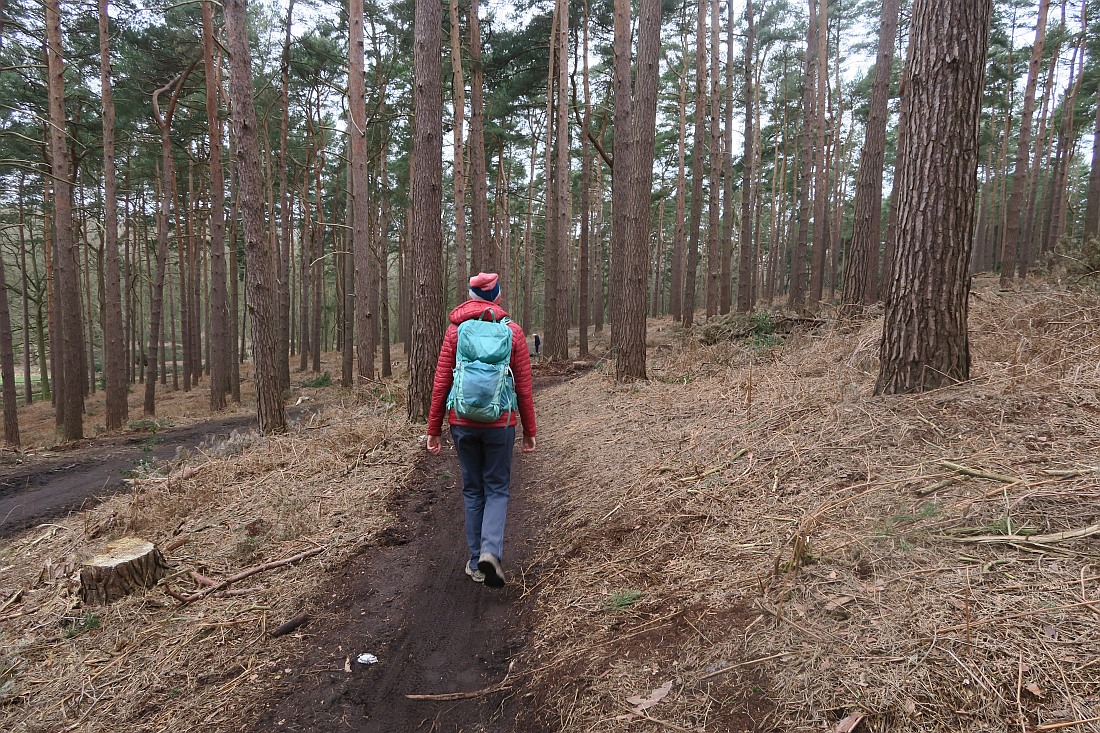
433	630
81	475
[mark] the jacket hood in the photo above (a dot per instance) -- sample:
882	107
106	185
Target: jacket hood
476	309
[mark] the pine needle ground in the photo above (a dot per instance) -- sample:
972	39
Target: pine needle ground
748	541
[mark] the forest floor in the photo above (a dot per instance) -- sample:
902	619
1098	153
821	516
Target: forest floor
748	541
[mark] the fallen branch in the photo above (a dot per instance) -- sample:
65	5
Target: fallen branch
14	599
978	474
936	487
1035	539
1014	616
1067	724
246	574
202	579
287	626
1068	473
751	662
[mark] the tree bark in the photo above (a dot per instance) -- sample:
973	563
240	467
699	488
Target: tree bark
797	297
821	168
632	182
114	356
556	280
583	255
714	210
123	567
427	204
70	392
221	351
690	277
156	300
1011	242
747	249
861	266
676	274
366	275
458	86
924	341
28	383
260	280
483	257
286	230
1092	210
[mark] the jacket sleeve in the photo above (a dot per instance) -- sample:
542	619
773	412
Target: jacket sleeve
521	370
444	377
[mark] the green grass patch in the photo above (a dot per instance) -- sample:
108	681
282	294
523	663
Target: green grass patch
623	599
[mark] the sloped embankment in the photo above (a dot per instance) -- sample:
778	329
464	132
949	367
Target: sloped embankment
752	541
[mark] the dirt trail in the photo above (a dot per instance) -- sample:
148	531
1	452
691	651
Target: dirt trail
434	630
78	477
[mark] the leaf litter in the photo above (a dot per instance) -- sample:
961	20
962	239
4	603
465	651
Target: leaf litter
798	550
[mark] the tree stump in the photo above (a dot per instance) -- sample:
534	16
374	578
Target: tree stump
123	567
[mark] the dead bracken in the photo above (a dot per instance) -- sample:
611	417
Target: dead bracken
748	541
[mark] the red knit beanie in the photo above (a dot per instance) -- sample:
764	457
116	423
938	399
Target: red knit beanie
485	286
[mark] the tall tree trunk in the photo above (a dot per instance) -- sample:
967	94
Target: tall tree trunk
156	301
427	205
747	253
1067	144
384	251
70	397
799	252
632	182
725	299
458	86
658	258
690	276
1092	209
1011	242
366	275
714	212
318	263
861	266
556	283
924	339
528	319
676	274
286	230
28	383
483	257
821	168
583	255
260	279
114	356
221	351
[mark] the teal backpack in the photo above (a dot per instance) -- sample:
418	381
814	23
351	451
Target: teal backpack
484	387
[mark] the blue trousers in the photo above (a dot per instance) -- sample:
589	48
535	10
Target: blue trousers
486	458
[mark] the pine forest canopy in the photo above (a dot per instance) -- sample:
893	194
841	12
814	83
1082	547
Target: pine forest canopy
188	187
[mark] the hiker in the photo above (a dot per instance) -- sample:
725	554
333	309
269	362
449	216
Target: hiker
483	382
538	344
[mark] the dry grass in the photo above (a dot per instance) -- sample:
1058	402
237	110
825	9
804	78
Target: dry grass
758	511
147	663
751	526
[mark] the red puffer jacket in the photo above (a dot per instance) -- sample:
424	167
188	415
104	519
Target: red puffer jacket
444	372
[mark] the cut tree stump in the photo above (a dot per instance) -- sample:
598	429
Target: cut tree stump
124	566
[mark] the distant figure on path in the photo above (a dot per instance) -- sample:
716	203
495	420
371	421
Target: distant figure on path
483	382
538	344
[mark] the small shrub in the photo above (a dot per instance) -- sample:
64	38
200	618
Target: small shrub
323	379
88	622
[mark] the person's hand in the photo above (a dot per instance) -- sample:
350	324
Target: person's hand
434	444
528	443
